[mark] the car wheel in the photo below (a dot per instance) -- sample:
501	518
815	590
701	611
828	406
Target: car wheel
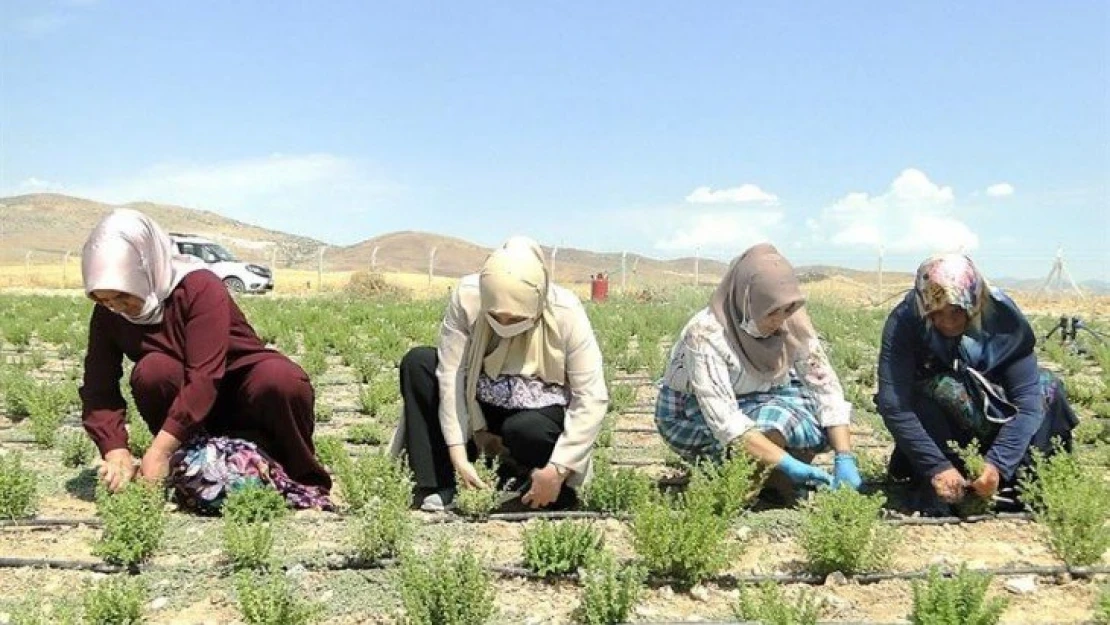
235	285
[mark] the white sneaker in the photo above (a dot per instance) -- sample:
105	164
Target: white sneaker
439	501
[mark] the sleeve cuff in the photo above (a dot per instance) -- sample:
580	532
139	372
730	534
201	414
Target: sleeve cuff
111	444
733	429
839	413
181	431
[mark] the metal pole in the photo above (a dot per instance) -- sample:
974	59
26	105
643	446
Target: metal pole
374	259
624	270
431	265
554	251
65	264
880	274
697	267
27	266
320	269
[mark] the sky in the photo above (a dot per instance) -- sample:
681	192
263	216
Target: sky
839	131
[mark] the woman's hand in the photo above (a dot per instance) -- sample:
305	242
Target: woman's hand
467	474
802	473
949	485
117	469
155	465
546	484
987	484
846	471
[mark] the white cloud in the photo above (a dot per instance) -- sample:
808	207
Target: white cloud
309	194
743	194
1001	189
42	25
719	231
914	215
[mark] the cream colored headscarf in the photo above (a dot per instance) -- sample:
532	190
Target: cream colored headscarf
128	252
515	280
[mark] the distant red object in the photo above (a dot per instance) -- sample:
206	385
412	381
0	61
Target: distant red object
599	287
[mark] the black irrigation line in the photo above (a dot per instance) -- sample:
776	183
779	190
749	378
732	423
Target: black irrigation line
727	580
518	517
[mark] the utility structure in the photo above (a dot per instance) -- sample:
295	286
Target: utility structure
1059	278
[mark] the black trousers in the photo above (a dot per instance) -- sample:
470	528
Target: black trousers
529	434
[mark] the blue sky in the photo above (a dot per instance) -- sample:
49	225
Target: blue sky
832	129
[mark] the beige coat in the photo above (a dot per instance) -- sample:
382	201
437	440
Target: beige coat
589	398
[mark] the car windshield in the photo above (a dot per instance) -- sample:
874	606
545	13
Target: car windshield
220	253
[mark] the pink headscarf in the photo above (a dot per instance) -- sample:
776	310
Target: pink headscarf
128	252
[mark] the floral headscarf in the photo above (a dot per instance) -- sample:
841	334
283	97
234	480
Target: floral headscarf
949	279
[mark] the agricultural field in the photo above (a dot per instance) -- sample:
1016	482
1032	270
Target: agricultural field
652	540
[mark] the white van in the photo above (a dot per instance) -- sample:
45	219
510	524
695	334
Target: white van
239	277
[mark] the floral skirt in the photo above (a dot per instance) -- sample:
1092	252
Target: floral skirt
206	469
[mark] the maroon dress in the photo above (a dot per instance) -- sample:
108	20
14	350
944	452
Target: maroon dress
202	369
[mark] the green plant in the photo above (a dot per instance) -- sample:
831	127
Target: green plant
77	449
1102	607
974	462
841	530
115	601
1071	503
47	406
134	522
958	600
368	433
324	413
331	451
1092	431
251	514
268	599
31	611
767	604
872	466
605	434
614	489
732	484
18	487
685	541
445	588
18	388
139	437
559	547
609	590
381	530
621	397
374	476
478	503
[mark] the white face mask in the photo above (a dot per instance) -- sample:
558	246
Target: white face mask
752	328
511	330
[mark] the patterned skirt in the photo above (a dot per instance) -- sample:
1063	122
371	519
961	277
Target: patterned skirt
952	396
205	470
790	410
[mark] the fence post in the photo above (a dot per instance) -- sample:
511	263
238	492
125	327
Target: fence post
431	265
65	266
320	270
27	266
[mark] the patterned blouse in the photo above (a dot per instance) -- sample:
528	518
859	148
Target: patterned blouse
515	392
704	365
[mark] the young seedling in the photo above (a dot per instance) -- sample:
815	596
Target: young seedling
1102	608
115	601
269	599
368	433
134	522
445	588
479	503
381	530
615	489
77	449
251	514
841	530
18	488
731	484
686	541
32	611
609	590
975	464
374	475
1071	504
331	451
559	547
767	604
958	600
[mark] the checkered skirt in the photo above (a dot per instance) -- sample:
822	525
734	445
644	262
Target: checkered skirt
790	410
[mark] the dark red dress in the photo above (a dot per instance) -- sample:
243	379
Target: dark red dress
202	368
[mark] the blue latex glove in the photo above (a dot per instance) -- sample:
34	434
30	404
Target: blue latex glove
846	471
802	473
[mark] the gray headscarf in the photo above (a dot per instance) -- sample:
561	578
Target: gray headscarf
128	252
757	283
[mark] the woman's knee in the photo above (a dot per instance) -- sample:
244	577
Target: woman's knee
528	429
280	378
419	360
157	373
